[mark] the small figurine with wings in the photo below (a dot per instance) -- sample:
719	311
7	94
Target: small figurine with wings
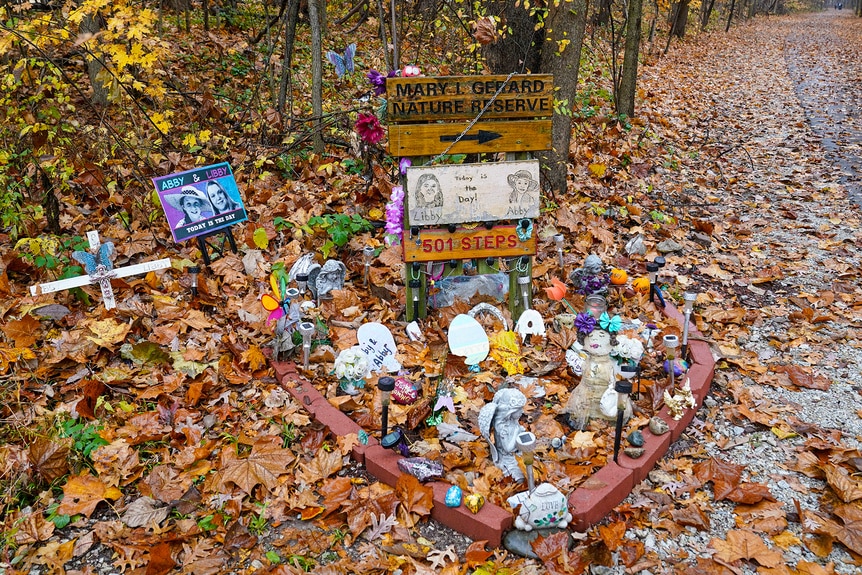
502	414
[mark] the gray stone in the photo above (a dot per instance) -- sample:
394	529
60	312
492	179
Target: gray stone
520	542
660	477
668	246
636	438
658	426
634	452
701	239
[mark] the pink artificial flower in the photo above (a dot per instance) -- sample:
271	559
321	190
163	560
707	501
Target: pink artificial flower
369	129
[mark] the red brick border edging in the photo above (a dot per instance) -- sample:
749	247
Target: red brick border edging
589	503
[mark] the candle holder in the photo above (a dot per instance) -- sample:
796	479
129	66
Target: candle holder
671	342
688	305
385	384
558	241
193	272
526	444
623	387
306	329
595	305
524	287
367	257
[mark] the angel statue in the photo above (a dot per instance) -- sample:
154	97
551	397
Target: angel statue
502	414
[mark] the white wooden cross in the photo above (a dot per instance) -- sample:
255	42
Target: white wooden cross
99	270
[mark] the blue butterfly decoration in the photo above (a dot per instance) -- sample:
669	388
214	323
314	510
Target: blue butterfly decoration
342	63
92	262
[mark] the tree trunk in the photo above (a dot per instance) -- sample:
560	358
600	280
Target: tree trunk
381	16
554	49
681	20
291	16
730	15
603	15
566	21
625	98
706	12
314	19
91	24
518	50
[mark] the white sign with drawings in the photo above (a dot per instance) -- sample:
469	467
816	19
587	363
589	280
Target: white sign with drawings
462	193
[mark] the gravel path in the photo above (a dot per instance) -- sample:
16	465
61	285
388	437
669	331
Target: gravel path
772	110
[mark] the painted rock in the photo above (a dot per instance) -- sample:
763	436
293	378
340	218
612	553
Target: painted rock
474	502
421	468
680	366
467	338
404	392
453	496
636	438
378	345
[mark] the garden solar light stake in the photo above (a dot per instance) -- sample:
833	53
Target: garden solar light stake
558	240
306	329
385	384
367	256
688	305
671	342
623	387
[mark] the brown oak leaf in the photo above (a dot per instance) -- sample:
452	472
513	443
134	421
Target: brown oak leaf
161	561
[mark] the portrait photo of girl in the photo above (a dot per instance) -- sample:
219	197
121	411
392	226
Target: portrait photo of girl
193	203
220	199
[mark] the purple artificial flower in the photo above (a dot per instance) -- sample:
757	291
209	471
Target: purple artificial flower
395	213
377	80
403	165
585	323
369	129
